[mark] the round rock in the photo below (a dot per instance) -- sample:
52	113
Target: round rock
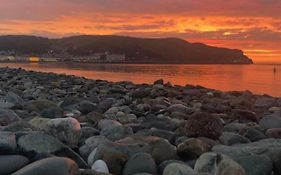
67	130
140	163
53	166
100	166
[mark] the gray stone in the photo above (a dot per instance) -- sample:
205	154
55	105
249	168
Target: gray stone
140	163
180	108
270	121
12	163
107	124
14	99
228	138
264	102
256	164
38	143
7	117
52	112
117	132
67	130
7	142
218	164
50	166
191	148
86	107
178	169
39	105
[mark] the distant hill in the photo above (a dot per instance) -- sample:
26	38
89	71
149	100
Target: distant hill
136	50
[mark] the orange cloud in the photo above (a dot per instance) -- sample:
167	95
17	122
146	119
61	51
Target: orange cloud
253	25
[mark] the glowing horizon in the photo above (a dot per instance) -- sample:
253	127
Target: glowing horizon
253	26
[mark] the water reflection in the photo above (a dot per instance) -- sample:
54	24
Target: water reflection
257	78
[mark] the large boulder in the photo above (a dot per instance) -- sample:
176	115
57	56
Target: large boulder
53	166
218	164
204	125
67	130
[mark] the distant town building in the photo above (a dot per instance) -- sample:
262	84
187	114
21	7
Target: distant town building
34	59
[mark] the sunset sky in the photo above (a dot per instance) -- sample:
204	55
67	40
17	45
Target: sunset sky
251	25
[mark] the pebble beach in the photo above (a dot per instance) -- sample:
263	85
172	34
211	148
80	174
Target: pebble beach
56	124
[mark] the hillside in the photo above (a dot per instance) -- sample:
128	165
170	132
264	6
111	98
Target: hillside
162	50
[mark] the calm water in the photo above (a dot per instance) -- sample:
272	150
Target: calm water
257	78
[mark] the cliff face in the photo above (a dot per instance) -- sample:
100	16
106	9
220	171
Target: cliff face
166	50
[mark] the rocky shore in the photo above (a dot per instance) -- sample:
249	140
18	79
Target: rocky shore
54	124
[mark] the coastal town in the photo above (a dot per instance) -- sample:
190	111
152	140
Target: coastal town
103	57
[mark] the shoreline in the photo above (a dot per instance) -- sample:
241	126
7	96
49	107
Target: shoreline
125	128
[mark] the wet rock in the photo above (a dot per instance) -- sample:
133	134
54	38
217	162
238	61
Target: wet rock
178	169
67	130
218	164
204	125
191	149
140	163
7	142
54	166
12	163
7	117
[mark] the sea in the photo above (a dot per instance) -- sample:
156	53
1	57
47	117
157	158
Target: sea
258	78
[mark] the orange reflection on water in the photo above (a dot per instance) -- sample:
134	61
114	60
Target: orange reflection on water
257	78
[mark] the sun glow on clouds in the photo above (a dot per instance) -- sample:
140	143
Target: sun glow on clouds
254	27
